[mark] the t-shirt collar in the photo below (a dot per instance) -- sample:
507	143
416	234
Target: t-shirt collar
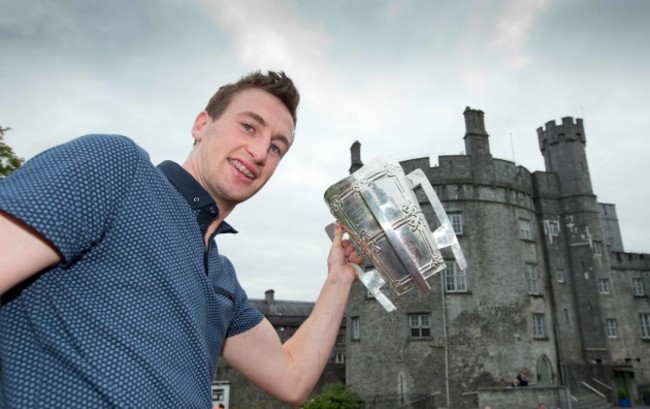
201	203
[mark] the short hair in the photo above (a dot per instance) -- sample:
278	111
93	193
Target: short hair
275	83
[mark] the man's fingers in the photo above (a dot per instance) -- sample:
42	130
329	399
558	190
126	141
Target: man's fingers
349	251
338	233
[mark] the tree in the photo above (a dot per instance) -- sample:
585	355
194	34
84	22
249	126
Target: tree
334	396
8	160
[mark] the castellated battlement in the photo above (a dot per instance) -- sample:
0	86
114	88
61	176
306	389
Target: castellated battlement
458	170
630	261
567	131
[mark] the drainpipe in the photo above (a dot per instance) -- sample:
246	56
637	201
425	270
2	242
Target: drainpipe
565	382
444	335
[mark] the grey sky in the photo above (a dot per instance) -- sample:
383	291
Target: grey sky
395	75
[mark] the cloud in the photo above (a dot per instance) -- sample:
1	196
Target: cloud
395	9
493	46
270	34
512	27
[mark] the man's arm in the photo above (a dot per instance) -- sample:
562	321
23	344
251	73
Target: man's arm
290	371
23	252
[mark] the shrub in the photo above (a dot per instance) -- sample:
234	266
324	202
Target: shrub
334	396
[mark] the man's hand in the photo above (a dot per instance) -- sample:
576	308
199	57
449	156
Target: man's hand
342	254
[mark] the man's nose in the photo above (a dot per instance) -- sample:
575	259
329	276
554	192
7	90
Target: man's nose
259	149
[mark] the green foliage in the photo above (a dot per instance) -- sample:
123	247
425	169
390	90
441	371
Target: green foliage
334	396
8	160
622	394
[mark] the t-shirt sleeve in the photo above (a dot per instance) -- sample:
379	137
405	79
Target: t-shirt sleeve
245	315
70	193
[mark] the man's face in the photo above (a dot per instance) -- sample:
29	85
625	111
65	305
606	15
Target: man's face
236	154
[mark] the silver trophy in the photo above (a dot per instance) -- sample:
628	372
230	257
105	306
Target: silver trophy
379	210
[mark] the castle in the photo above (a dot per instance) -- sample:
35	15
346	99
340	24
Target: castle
548	291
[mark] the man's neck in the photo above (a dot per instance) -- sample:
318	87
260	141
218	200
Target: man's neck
214	225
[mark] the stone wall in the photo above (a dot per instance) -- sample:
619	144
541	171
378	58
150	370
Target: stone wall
554	397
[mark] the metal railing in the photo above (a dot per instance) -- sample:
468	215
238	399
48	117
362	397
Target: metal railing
405	401
604	385
592	389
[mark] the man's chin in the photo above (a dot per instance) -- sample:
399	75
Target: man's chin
242	197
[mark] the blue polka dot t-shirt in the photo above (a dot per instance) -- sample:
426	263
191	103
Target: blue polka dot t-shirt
136	314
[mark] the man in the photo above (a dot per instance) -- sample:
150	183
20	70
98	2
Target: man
114	293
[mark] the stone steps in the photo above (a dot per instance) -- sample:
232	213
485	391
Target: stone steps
591	401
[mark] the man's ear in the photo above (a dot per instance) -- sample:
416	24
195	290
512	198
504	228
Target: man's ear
200	122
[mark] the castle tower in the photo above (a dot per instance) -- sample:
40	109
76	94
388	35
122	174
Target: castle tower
576	247
563	147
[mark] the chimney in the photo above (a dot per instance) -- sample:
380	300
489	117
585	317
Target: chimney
476	138
269	296
355	157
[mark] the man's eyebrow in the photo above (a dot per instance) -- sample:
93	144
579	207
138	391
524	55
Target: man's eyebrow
255	116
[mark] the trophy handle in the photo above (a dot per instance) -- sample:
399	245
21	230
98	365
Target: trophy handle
444	235
371	279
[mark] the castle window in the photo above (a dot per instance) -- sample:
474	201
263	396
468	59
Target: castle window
598	248
455	278
559	273
553	227
420	325
339	358
533	279
638	289
456	222
355	334
611	328
645	326
603	285
525	233
539	327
